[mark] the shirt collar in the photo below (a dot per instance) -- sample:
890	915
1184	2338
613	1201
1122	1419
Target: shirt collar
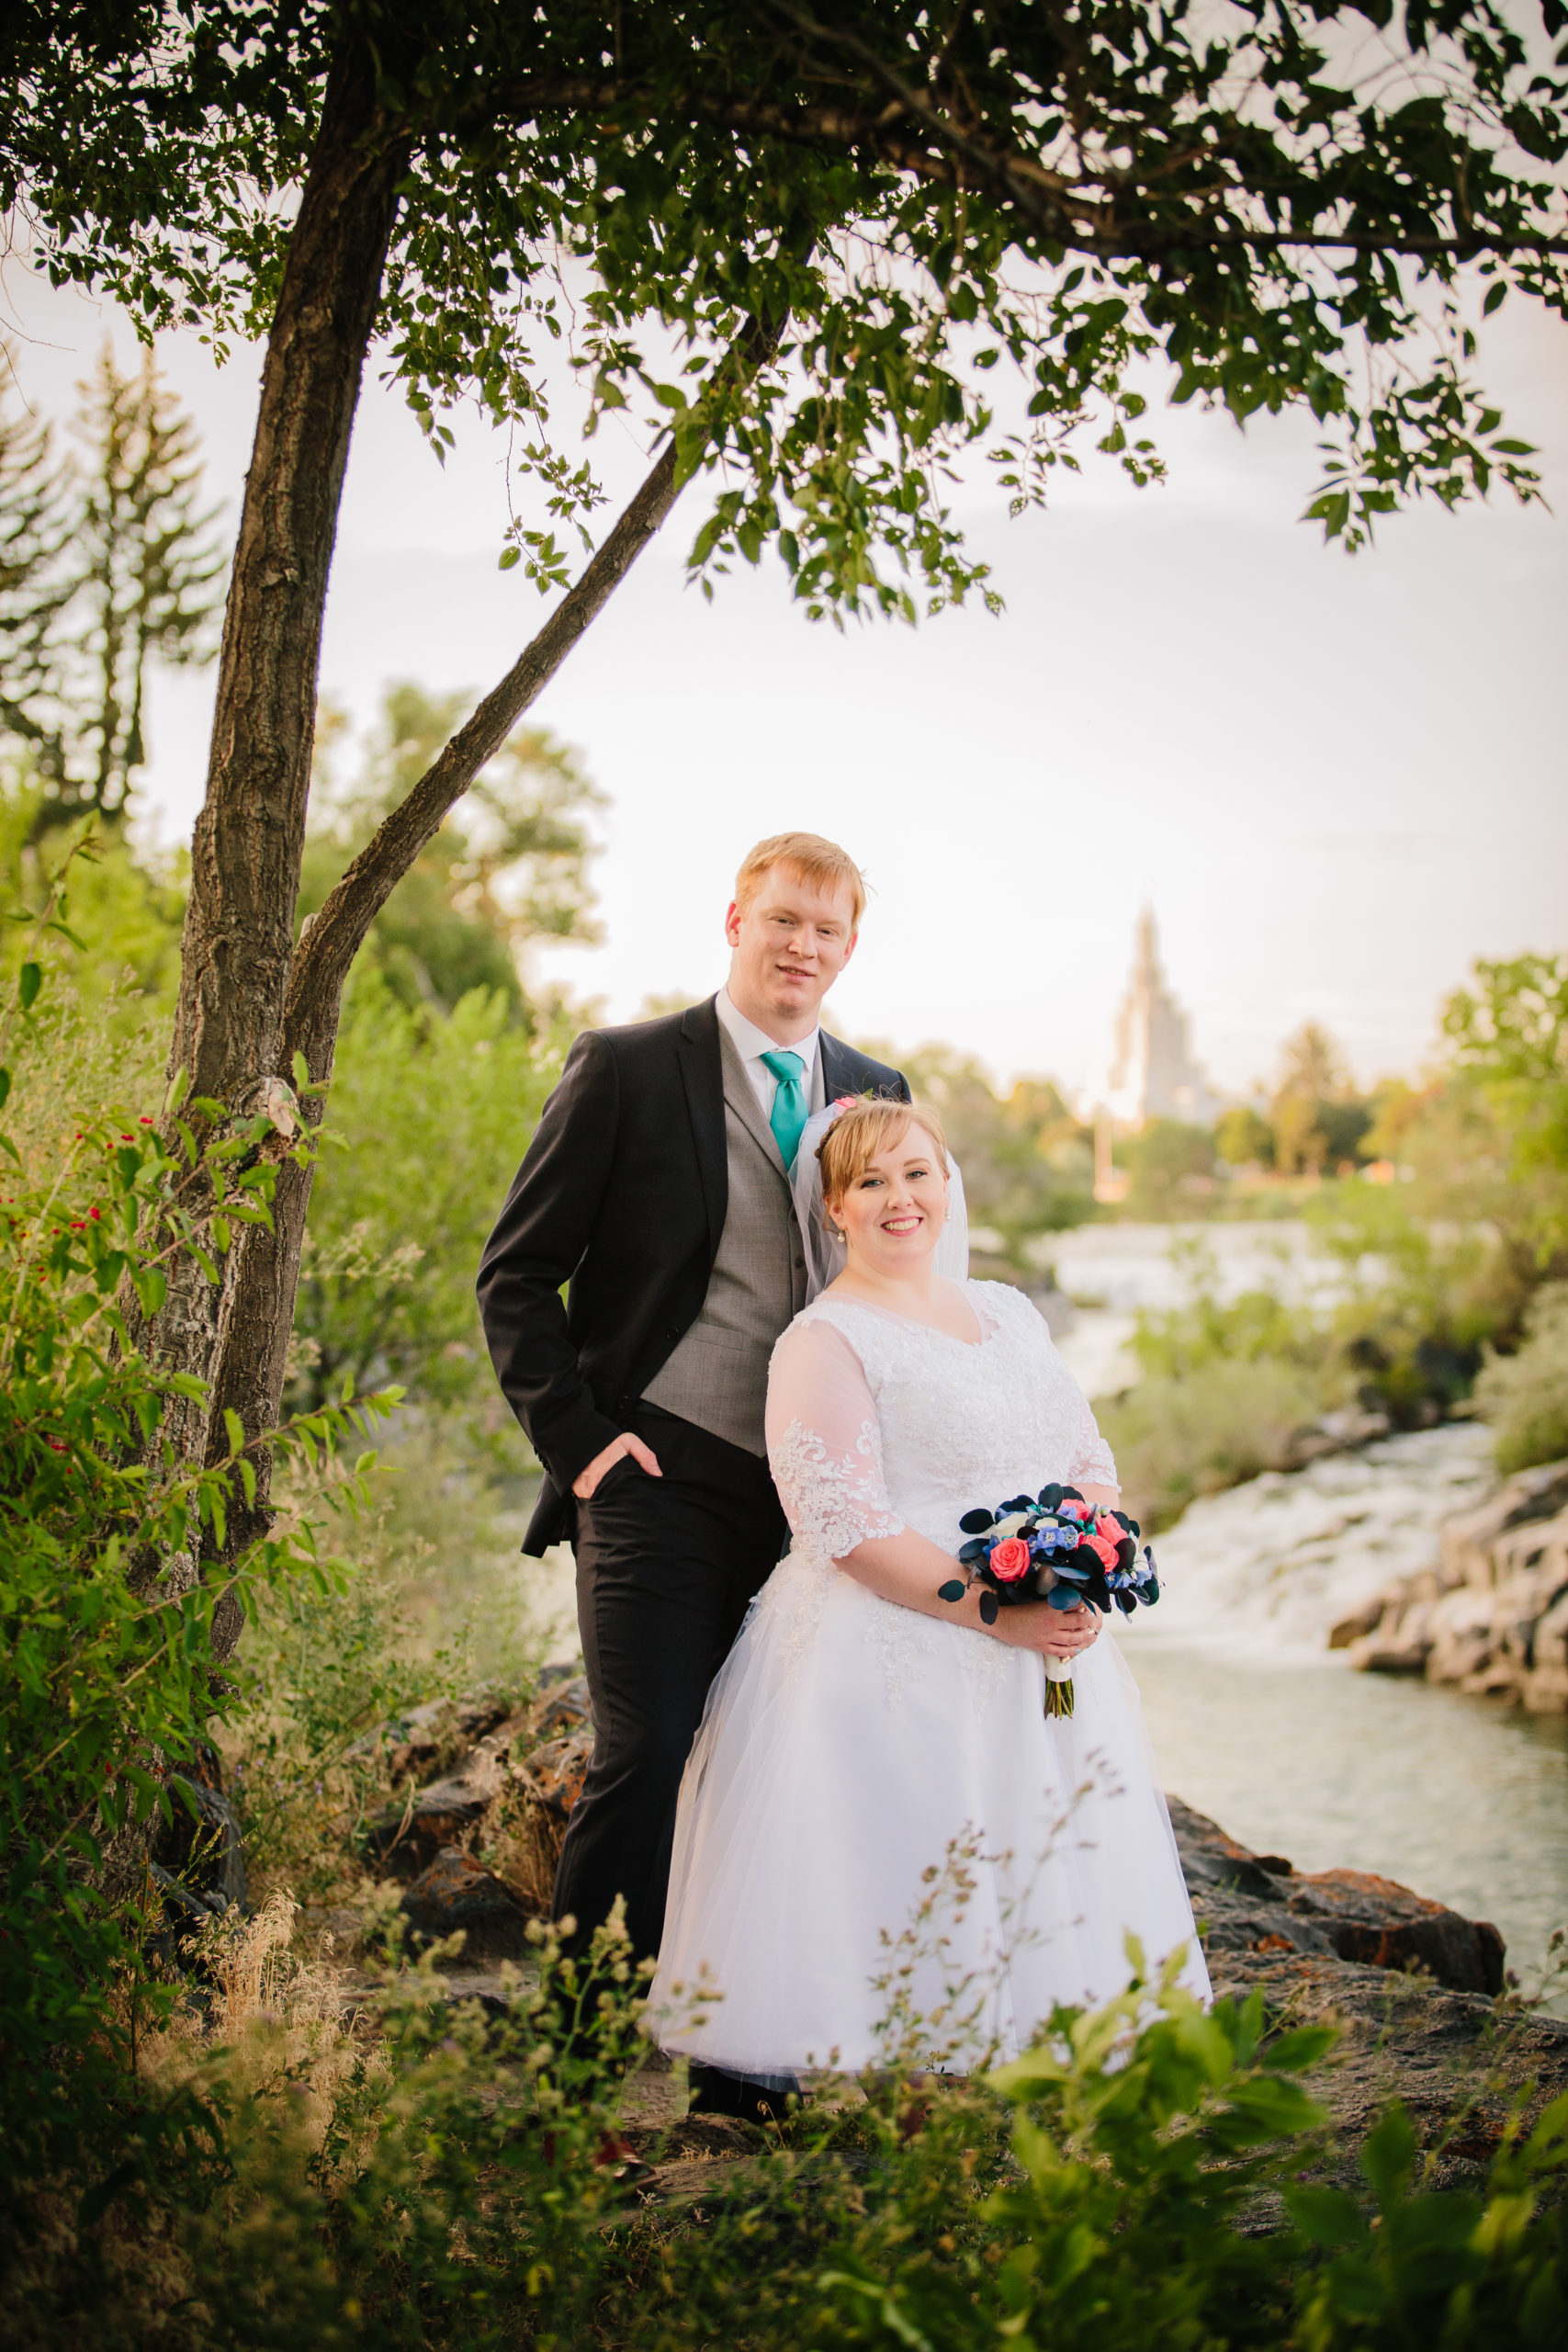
751	1043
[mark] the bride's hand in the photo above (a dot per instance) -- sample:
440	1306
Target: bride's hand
1053	1632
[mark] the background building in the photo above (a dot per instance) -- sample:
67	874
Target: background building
1152	1073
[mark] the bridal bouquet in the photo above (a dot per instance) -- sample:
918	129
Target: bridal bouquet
1056	1548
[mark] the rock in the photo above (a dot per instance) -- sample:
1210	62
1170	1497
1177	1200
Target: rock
1341	1433
1401	1641
1458	2062
451	1812
431	1738
509	1796
456	1892
1358	1625
562	1708
1382	1925
1546	1686
1260	1904
1485	1618
1468	1536
549	1782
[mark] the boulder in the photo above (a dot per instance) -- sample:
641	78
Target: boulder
456	1892
1262	1904
548	1783
1545	1689
1469	1537
508	1796
1484	1617
430	1740
1382	1925
405	1839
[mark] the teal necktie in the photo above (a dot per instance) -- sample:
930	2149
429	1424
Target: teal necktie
789	1113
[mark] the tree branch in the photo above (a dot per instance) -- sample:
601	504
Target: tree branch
914	137
332	939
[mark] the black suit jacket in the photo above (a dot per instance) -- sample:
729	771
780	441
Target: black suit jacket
622	1195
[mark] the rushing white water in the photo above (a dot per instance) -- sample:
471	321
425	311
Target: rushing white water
1269	1567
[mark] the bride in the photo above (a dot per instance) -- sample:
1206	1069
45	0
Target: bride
871	1752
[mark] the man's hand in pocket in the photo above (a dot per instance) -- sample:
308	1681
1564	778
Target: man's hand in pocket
584	1484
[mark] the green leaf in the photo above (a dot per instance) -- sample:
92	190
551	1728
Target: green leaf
1328	2216
5	1087
1304	2047
29	979
235	1429
1495	297
151	1288
1388	2155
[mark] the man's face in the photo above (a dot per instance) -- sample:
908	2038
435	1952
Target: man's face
787	950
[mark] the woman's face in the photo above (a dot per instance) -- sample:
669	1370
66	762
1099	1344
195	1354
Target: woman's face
892	1214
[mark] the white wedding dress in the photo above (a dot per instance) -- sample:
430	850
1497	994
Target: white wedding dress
850	1747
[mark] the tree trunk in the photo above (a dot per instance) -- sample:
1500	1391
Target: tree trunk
246	854
250	1380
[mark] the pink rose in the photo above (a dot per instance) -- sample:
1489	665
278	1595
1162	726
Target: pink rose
1102	1547
1008	1560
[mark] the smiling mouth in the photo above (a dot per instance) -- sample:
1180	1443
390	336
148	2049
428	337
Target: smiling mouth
902	1223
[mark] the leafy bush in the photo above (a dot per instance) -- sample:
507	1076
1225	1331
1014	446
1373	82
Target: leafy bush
413	2177
1178	1437
428	1117
1524	1395
104	1615
1171	1165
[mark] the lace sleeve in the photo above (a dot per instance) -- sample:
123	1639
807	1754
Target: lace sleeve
824	1445
1093	1463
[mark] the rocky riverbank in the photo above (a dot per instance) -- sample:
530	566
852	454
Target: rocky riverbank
1489	1614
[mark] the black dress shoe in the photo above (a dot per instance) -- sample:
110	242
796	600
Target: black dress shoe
716	2093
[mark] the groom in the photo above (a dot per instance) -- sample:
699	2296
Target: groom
657	1186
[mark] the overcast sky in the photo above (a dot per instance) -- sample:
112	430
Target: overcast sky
1337	781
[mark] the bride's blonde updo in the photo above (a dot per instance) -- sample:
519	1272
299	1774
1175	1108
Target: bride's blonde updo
855	1137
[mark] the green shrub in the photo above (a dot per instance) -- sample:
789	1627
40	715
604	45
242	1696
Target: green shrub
1524	1395
429	1114
1178	1437
421	2179
104	1615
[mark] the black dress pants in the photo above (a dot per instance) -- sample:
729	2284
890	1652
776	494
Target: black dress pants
665	1568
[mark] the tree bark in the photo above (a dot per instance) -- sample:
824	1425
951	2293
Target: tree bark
251	1376
246	854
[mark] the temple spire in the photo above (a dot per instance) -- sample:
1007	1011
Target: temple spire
1154	1074
1146	956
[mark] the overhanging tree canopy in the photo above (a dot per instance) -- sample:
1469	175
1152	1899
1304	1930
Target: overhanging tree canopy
849	224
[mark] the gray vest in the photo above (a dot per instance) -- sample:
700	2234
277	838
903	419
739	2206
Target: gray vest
717	1376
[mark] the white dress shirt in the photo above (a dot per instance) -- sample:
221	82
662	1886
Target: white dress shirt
751	1043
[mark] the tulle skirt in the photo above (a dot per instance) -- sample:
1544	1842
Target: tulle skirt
886	1853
